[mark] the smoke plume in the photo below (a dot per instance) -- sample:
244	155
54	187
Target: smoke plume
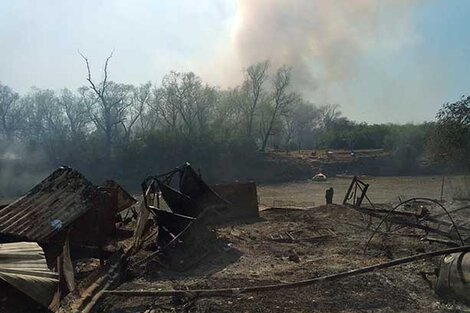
323	41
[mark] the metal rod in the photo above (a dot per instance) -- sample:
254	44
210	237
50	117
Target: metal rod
410	200
348	193
301	283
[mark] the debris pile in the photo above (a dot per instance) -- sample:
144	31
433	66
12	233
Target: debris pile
70	246
58	223
185	208
23	266
427	215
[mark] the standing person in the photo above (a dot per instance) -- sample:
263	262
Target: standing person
329	195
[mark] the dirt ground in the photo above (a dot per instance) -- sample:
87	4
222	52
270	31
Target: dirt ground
383	189
286	245
296	238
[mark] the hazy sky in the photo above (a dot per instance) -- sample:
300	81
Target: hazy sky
382	61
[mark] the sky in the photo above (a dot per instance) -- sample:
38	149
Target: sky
387	61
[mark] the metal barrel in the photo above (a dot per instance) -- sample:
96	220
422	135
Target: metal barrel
453	281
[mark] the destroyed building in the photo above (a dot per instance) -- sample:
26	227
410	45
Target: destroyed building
70	218
65	205
183	222
184	207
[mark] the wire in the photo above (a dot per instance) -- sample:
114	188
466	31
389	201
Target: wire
410	200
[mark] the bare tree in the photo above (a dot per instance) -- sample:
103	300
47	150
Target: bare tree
228	114
163	104
44	121
186	88
255	77
10	113
184	103
140	99
108	112
281	99
330	113
75	111
300	123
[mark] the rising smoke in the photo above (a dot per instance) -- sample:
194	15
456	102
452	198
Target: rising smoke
323	40
20	169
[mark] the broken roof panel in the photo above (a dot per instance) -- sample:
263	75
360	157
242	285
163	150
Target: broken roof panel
193	197
124	199
49	207
23	266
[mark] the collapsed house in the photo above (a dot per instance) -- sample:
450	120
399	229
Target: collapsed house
69	217
65	218
65	205
185	208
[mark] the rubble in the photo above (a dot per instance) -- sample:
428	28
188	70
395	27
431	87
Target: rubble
64	204
23	266
183	226
51	207
222	246
65	218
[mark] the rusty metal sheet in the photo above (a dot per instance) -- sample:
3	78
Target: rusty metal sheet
49	207
242	201
23	266
176	201
124	200
194	196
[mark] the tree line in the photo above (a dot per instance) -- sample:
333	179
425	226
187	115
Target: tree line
116	129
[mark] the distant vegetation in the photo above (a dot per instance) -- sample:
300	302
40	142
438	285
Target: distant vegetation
110	129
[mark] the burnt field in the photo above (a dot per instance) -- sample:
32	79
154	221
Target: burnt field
288	244
68	245
327	239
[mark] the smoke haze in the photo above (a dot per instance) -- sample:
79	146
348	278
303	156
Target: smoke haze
377	59
323	41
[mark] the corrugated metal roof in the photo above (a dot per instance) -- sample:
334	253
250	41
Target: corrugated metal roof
22	265
50	206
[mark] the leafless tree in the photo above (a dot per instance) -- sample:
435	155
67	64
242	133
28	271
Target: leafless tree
256	75
280	101
109	111
300	122
10	113
184	103
140	97
44	122
228	114
163	104
330	113
186	87
75	110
